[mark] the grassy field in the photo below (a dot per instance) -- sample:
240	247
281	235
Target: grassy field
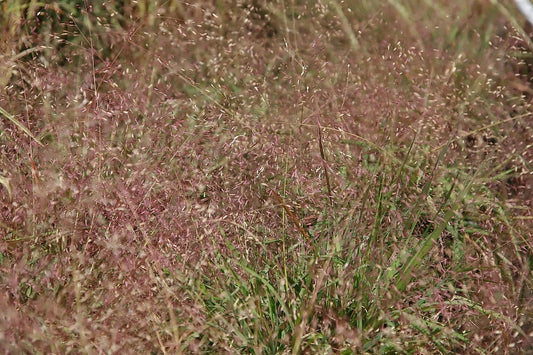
252	176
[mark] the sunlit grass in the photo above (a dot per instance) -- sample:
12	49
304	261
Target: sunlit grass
265	177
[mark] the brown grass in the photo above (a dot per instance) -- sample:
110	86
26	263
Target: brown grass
265	177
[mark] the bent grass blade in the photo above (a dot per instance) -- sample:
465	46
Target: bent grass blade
19	125
406	273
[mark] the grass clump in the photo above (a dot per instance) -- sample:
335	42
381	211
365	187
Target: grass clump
265	177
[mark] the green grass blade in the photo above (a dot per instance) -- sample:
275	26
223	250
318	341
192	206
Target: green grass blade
405	274
19	125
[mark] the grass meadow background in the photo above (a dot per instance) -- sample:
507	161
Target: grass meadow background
265	177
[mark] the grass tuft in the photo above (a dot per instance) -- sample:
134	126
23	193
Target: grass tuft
265	177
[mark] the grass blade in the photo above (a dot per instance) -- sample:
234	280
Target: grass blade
19	125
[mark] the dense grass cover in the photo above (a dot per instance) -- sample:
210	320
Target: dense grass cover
252	176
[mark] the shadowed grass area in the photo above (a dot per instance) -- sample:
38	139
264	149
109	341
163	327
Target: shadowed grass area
265	177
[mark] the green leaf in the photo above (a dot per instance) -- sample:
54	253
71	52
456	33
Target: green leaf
19	125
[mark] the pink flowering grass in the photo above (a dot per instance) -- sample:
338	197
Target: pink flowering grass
265	177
